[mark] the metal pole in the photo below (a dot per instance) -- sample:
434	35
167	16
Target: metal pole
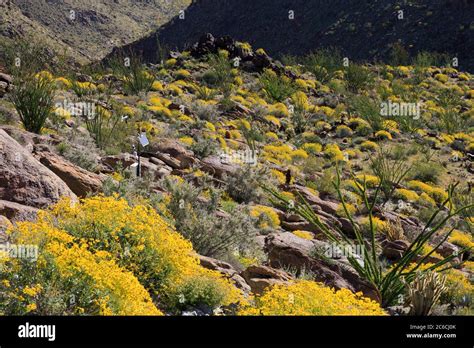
139	167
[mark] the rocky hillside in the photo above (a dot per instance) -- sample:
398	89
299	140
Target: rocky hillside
261	189
363	30
86	29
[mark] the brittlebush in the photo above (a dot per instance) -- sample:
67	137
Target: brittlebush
306	297
67	278
128	251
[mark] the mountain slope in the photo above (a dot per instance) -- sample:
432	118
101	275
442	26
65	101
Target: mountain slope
362	29
87	29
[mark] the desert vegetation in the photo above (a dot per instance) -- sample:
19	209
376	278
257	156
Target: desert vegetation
311	188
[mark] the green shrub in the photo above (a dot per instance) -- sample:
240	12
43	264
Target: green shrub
196	220
357	78
107	128
135	78
427	59
275	87
204	147
244	185
323	63
367	109
427	172
33	99
219	74
390	172
324	184
198	293
399	55
80	150
204	93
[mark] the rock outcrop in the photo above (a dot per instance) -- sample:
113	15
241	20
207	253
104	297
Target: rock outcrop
24	180
79	180
261	277
17	212
288	250
227	270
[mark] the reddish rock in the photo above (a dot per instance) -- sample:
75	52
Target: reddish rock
79	180
287	250
24	180
261	277
227	270
17	212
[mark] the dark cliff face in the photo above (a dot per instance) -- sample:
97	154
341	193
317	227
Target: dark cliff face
363	30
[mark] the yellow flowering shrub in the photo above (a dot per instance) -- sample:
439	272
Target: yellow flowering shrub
360	125
459	288
279	110
371	181
278	175
299	154
277	153
273	120
438	194
170	62
333	152
160	111
383	135
174	89
182	74
306	297
271	136
343	131
369	146
63	83
406	195
303	234
266	216
186	140
312	148
352	210
108	239
461	239
157	86
100	287
426	200
322	126
380	226
441	78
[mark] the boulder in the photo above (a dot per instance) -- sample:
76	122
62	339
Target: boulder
175	150
6	82
17	212
167	159
3	88
30	141
24	180
6	78
227	270
448	249
216	167
313	200
261	277
394	250
287	250
79	180
155	168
